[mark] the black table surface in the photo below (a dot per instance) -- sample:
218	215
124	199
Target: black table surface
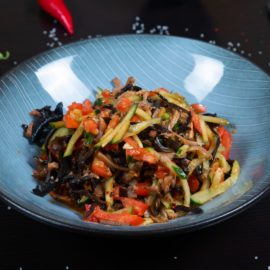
242	242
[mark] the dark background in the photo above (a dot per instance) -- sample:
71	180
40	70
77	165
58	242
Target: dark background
243	242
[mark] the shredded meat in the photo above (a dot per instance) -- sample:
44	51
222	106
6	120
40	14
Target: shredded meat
174	119
162	218
117	86
156	112
168	180
53	165
35	113
29	130
98	192
130	80
61	198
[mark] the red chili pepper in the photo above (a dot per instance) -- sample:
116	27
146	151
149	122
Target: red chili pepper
58	10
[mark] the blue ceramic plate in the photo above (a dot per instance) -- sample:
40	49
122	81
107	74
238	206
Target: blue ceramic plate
228	84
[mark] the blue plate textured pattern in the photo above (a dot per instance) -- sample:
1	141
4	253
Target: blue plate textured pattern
226	83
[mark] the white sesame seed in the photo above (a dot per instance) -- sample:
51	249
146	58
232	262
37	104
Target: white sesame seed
20	268
230	44
139	31
175	257
202	35
256	257
59	43
67	267
8	208
242	52
269	64
45	32
238	44
249	54
268	267
152	31
15	62
137	18
186	29
234	49
158	26
260	52
65	34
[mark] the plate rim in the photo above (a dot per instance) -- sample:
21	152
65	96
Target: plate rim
131	231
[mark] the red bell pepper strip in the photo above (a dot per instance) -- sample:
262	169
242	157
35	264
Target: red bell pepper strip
90	126
123	218
142	189
58	10
135	119
161	172
198	108
100	168
87	107
196	122
142	154
138	207
226	141
131	142
70	122
112	147
193	183
124	104
106	94
75	105
114	121
116	192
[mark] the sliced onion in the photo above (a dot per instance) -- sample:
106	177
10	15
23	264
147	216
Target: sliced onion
109	162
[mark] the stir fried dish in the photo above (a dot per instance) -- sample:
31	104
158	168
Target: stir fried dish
133	157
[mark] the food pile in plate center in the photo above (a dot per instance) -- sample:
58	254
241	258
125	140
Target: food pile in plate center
133	157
